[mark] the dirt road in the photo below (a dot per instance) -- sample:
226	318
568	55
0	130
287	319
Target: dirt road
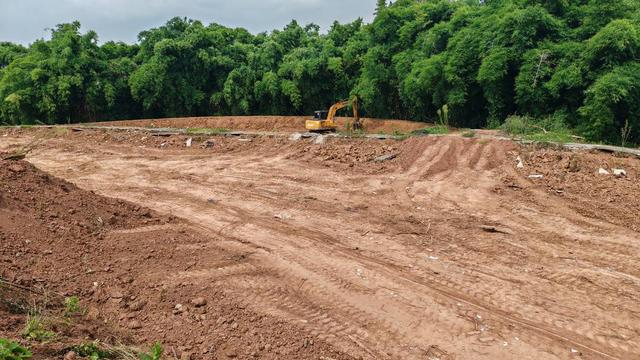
447	251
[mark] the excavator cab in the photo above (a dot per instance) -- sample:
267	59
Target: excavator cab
324	121
321	115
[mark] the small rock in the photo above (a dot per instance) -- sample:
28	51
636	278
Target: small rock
319	140
208	144
295	137
574	166
16	168
199	302
387	157
131	315
232	354
178	309
619	172
71	355
282	216
245	140
47	252
189	142
602	171
536	176
116	294
137	306
135	324
520	164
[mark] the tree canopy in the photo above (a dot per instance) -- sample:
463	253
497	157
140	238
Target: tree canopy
575	61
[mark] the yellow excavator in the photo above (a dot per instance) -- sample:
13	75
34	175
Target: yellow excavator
325	121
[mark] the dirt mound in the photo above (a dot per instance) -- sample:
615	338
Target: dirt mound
575	177
266	123
115	257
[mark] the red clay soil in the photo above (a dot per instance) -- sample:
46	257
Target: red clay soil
60	241
447	251
267	123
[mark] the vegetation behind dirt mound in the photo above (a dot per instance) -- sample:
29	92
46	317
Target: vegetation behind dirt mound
574	62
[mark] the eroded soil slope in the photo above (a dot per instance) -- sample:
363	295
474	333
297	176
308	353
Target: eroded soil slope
449	250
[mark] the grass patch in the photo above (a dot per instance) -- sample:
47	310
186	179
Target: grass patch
37	329
561	137
97	350
154	354
434	130
352	133
93	350
10	350
469	134
72	306
400	135
207	131
550	129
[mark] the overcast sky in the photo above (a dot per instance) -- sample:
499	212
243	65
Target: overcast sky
24	21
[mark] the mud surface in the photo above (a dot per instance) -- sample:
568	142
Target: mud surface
447	251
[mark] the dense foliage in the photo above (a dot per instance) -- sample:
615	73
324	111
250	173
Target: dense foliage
576	62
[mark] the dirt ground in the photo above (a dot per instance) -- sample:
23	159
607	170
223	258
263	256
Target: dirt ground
59	241
447	251
268	123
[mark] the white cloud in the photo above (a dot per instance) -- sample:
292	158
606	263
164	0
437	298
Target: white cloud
25	20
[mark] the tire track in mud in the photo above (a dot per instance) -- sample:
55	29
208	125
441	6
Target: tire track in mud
477	296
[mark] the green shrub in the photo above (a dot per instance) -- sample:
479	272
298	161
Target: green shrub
72	306
154	354
10	350
36	329
92	350
548	129
469	134
434	130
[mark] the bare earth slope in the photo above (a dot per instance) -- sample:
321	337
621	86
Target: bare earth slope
447	251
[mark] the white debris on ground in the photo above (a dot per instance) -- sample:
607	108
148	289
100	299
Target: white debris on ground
619	172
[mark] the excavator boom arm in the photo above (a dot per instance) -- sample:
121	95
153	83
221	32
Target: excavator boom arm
334	109
329	123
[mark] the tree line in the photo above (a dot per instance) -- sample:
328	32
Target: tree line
572	62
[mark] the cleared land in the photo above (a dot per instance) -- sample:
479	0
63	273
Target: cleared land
447	251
